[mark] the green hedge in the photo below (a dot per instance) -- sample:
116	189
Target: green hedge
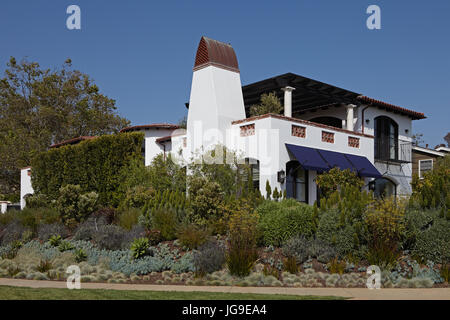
280	221
93	164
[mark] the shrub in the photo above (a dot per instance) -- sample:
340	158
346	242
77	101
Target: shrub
302	249
136	232
433	243
336	266
38	200
336	179
385	225
445	272
242	253
154	236
416	221
166	221
55	240
44	266
93	164
127	218
109	237
86	230
12	249
433	190
290	265
45	231
65	246
283	220
208	258
106	215
206	198
12	232
270	271
73	206
342	236
80	255
192	236
140	247
137	197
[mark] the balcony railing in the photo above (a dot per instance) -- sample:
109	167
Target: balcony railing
386	150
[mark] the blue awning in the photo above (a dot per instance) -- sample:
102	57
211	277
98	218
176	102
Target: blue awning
309	158
364	167
324	160
336	159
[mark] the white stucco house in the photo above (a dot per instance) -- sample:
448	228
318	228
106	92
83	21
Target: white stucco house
322	127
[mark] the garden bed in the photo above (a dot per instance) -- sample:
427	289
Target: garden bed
171	264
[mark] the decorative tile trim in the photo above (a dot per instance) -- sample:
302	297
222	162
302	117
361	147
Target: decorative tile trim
298	131
353	142
301	121
247	130
327	136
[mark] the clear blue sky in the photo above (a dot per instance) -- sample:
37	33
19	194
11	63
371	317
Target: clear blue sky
141	53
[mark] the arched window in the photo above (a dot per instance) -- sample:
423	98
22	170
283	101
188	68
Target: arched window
329	121
384	188
386	138
296	181
253	166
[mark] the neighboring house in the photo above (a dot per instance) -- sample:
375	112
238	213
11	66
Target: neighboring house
424	158
323	126
25	185
157	139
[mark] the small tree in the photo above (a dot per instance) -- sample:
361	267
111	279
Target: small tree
276	195
269	104
268	190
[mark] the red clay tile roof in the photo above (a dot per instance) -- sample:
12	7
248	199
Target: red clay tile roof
216	53
150	126
414	114
72	141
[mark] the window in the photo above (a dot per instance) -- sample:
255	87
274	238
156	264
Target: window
253	166
383	188
386	139
425	166
296	181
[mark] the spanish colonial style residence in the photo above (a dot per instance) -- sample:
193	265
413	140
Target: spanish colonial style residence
322	127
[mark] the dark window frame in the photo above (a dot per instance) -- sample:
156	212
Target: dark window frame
291	168
386	139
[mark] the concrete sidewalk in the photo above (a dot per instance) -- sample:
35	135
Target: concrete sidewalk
353	293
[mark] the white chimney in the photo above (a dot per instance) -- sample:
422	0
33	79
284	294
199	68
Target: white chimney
288	101
216	94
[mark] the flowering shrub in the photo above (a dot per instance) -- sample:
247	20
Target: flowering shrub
385	225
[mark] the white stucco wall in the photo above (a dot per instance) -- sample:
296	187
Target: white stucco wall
268	146
152	148
215	101
25	185
399	173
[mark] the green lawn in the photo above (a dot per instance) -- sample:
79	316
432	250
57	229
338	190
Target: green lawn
22	293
